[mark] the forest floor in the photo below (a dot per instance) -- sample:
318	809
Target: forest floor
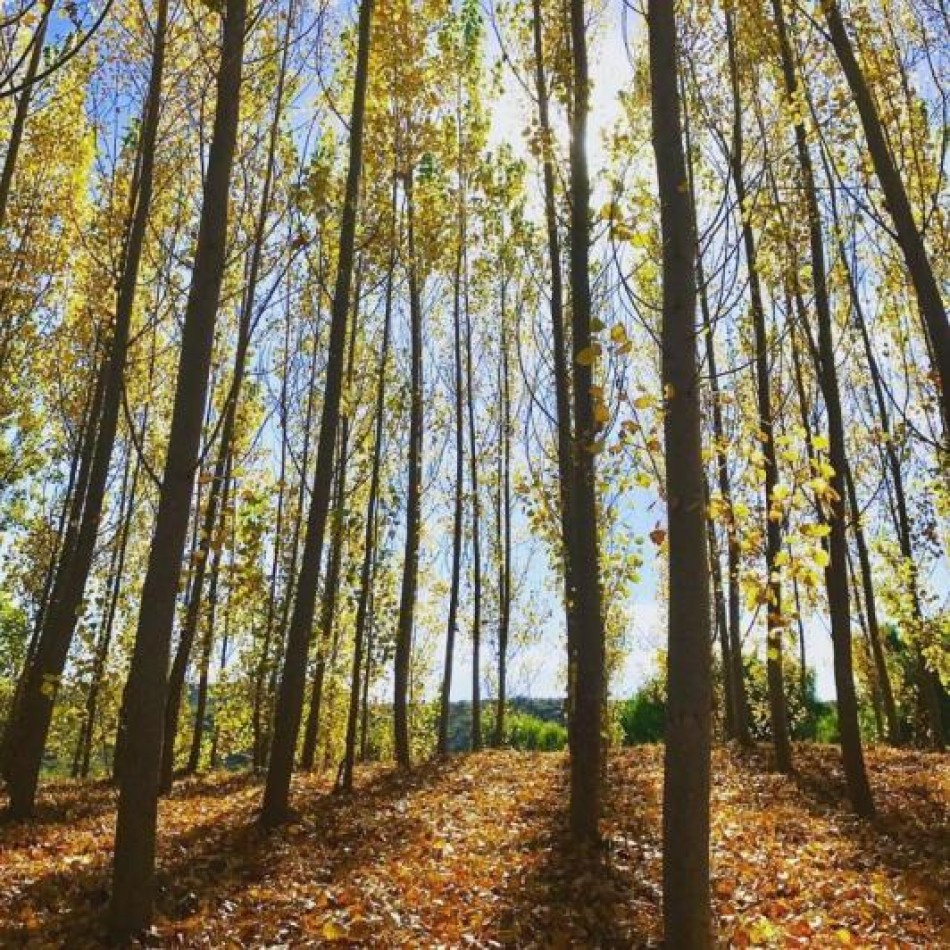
473	853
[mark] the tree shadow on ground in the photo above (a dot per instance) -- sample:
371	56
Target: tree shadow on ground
910	834
585	897
208	867
59	802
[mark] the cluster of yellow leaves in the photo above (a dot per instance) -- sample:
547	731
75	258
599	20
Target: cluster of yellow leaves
474	852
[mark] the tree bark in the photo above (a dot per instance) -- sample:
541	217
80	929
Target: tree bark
778	715
836	573
562	369
369	529
133	880
36	702
586	734
451	629
929	300
290	695
686	892
22	111
218	487
410	572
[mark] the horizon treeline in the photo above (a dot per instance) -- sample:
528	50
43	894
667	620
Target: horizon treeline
349	348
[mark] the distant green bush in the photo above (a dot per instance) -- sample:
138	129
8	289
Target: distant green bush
523	731
643	716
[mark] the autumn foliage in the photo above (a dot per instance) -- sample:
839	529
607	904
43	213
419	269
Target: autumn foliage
475	853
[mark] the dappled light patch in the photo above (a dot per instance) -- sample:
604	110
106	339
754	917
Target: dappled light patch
475	852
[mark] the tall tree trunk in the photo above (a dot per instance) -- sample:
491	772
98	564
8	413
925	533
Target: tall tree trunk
369	529
727	609
218	487
504	516
930	699
22	111
587	668
836	573
778	715
36	707
126	509
328	629
290	694
451	629
562	369
207	645
686	892
133	879
410	571
476	738
882	676
69	518
909	237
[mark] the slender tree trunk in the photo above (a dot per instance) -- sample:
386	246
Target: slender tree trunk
720	626
217	545
451	629
587	668
22	110
369	528
836	573
218	487
727	610
778	715
69	516
36	707
126	509
909	237
258	703
133	879
686	892
504	520
562	368
290	695
476	520
882	676
410	572
327	627
329	630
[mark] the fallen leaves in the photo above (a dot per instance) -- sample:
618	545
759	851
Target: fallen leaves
474	852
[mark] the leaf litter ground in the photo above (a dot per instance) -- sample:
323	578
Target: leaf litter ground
473	853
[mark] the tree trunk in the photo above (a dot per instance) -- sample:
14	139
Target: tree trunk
476	738
686	892
22	111
126	509
410	572
836	573
778	715
133	879
909	237
562	369
727	610
451	629
369	529
587	673
290	695
207	645
504	520
218	487
36	706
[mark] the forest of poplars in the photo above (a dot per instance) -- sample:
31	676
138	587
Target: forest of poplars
474	473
